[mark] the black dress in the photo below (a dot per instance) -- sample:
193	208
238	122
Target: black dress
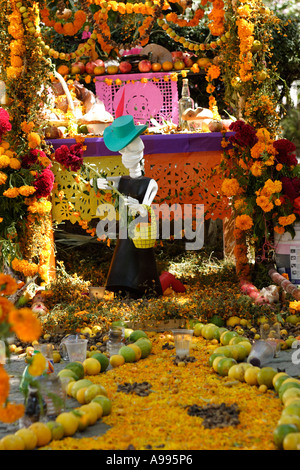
133	270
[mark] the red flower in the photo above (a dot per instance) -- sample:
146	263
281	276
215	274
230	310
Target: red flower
44	183
286	152
31	158
297	205
5	125
71	158
291	187
245	135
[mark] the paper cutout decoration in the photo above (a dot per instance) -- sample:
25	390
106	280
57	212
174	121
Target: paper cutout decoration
143	101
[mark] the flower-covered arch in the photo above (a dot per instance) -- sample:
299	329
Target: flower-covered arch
240	42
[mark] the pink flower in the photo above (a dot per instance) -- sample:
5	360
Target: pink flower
5	125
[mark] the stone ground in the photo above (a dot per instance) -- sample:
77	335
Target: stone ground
286	361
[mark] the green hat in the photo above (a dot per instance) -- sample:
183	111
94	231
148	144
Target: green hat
121	132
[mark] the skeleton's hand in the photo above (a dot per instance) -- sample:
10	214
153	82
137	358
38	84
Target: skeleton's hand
102	183
135	206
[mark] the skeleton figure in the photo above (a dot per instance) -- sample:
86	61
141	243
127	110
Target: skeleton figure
133	270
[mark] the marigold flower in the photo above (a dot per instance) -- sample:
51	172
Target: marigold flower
243	222
11	192
279	230
15	164
26	190
3	177
8	284
264	203
287	220
230	187
4	161
11	412
25	324
4	384
34	140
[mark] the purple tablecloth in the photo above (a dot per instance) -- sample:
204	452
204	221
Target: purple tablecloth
155	144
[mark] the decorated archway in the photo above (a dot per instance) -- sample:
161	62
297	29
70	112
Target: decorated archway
239	44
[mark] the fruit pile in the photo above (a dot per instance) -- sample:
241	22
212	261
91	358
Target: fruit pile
128	65
228	359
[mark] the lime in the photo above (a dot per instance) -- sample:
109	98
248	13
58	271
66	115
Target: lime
265	376
137	334
212	357
128	353
104	361
76	367
224	365
281	431
285	385
105	402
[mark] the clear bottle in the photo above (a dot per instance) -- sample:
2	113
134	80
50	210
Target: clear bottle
116	339
184	103
35	407
52	394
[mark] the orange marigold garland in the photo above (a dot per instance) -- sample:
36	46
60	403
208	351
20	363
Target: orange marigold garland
68	28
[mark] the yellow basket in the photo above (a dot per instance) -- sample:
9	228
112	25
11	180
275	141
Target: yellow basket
145	232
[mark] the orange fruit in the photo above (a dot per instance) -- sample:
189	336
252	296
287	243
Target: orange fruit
116	360
12	442
29	437
43	433
91	412
290	419
98	408
167	65
156	66
80	395
63	70
203	62
69	421
250	375
83	420
291	441
91	366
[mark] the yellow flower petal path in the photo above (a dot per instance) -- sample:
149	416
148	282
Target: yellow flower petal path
160	420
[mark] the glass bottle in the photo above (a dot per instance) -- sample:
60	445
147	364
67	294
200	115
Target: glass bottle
184	103
116	338
35	407
52	395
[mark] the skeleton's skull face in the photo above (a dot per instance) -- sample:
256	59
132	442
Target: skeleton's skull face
138	106
132	153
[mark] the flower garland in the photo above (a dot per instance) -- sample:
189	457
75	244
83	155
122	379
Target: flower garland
102	30
67	29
